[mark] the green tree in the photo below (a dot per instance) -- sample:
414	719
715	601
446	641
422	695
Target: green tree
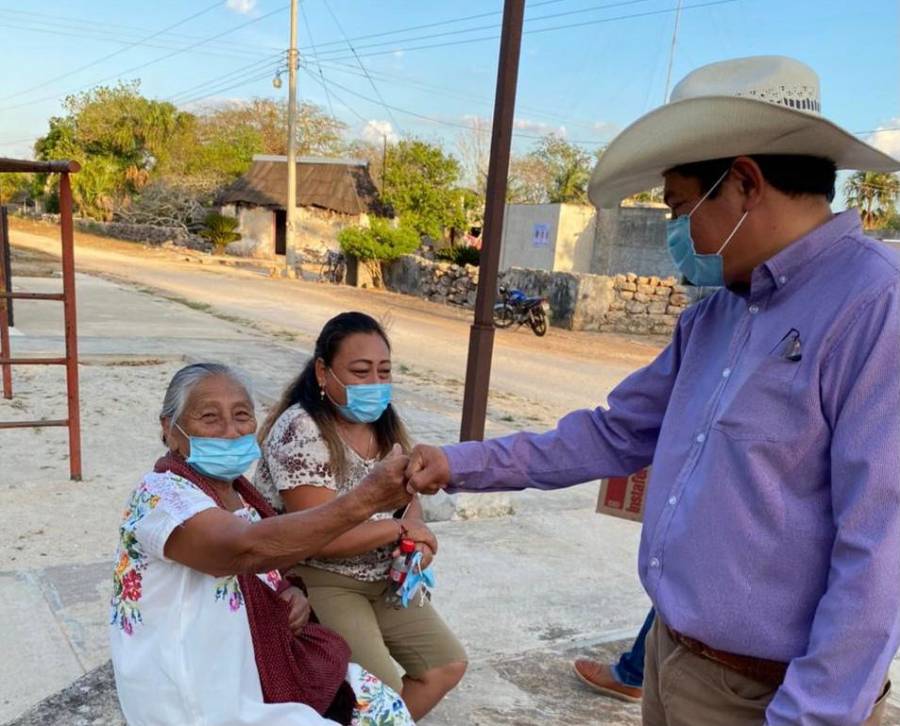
117	136
554	171
13	187
568	166
874	194
420	183
381	242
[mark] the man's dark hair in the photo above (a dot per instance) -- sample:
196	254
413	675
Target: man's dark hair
794	175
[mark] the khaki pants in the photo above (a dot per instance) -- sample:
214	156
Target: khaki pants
378	634
683	689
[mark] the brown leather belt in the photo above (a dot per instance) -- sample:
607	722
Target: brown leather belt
769	672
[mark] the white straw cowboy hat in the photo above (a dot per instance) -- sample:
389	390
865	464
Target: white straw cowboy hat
758	105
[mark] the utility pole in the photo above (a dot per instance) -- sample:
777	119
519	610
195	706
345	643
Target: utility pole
672	51
290	251
481	337
383	159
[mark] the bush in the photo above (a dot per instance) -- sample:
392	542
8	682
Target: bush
460	255
220	230
379	243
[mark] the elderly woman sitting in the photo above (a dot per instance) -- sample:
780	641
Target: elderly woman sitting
204	629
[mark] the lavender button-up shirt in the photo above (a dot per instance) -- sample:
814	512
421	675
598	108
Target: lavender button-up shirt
772	521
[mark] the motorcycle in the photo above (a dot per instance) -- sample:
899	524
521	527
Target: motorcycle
516	307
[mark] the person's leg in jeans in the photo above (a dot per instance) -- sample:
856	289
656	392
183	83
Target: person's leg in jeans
630	668
623	680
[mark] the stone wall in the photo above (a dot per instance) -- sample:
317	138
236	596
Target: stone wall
610	304
146	233
442	282
627	303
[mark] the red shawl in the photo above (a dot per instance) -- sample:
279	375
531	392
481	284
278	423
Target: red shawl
310	668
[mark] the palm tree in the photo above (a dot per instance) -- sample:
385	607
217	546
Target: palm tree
875	194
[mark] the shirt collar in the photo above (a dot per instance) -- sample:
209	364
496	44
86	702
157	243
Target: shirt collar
787	263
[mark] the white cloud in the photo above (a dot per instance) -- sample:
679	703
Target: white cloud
538	127
887	138
243	7
375	131
399	53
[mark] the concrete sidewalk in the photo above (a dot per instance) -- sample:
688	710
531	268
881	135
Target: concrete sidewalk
525	593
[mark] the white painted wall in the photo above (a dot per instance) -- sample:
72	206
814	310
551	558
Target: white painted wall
568	247
518	248
257	230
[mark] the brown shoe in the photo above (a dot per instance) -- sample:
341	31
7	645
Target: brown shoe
599	676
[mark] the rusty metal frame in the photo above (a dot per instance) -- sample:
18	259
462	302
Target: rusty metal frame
67	298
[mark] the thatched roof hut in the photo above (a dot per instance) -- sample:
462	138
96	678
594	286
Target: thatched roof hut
339	185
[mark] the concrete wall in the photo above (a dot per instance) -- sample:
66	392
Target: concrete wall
518	248
632	240
574	241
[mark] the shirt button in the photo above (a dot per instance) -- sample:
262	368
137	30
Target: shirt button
672	501
726	373
753	309
654	562
701	438
782	279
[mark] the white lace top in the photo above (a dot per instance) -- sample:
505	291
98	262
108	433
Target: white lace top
295	454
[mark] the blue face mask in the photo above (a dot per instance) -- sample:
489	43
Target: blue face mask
701	270
224	459
365	402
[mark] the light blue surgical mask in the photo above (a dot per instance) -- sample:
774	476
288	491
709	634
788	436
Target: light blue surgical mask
365	401
224	459
701	270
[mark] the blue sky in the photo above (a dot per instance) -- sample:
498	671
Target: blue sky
585	81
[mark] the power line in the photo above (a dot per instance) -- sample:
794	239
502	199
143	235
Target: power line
242	82
440	22
92	26
445	92
155	60
113	54
587	23
271	64
494	26
442	122
319	65
360	63
83	35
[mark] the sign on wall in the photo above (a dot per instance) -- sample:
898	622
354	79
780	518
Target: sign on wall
540	236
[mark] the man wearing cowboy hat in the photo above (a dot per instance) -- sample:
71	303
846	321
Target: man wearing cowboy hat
771	538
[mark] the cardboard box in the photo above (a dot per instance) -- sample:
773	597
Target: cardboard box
623	496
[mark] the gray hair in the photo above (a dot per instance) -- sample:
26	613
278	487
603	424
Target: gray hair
185	380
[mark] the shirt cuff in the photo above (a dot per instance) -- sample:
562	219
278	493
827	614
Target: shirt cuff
466	462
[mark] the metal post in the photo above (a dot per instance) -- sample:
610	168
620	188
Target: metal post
5	305
290	253
481	336
7	256
68	275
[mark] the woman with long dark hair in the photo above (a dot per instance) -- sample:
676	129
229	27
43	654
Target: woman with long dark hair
333	424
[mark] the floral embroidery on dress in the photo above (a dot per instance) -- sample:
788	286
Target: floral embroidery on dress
229	589
126	612
165	491
378	705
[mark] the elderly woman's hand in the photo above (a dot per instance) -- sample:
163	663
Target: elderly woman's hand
384	488
300	610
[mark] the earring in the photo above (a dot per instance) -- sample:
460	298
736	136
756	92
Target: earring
322	392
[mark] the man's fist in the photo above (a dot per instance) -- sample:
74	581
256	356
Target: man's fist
428	470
